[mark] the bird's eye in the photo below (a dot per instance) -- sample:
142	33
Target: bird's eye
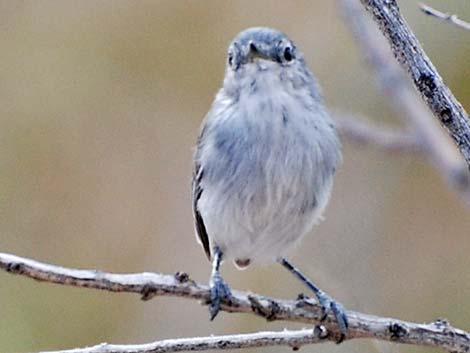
230	58
288	53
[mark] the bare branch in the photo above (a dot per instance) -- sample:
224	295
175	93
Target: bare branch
358	130
437	334
404	100
293	339
409	53
457	22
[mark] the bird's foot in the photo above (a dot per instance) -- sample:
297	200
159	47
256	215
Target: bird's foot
327	303
220	292
330	305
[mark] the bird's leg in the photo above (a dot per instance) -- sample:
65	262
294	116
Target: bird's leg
219	289
328	303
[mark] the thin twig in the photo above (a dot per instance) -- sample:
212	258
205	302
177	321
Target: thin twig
436	334
457	22
293	339
357	129
409	53
402	97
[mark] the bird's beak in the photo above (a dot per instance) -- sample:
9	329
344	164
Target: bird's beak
257	52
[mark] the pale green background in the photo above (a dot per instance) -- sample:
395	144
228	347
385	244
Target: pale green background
100	105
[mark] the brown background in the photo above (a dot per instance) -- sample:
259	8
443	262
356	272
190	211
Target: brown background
100	105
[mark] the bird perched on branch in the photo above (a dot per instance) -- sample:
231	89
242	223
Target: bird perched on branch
264	163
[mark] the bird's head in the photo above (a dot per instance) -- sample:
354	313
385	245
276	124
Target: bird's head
260	44
266	55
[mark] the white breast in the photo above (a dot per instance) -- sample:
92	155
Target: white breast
267	171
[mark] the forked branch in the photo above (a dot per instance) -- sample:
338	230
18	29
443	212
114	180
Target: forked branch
433	142
409	53
148	285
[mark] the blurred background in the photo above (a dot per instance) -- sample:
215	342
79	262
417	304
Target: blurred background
100	107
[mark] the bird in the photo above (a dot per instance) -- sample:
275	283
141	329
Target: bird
264	162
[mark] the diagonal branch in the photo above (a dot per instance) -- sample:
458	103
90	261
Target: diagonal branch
357	129
457	22
432	140
437	334
409	53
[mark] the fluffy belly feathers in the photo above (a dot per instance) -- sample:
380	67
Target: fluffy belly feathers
258	205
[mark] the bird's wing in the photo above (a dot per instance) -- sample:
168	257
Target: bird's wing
197	191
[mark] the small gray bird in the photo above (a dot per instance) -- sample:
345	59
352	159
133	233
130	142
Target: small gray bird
264	162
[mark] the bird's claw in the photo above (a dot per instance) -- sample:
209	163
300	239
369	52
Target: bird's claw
330	305
220	292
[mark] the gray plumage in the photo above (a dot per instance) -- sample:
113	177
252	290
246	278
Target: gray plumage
266	154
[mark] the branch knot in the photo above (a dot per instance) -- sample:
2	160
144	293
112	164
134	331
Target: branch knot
398	330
